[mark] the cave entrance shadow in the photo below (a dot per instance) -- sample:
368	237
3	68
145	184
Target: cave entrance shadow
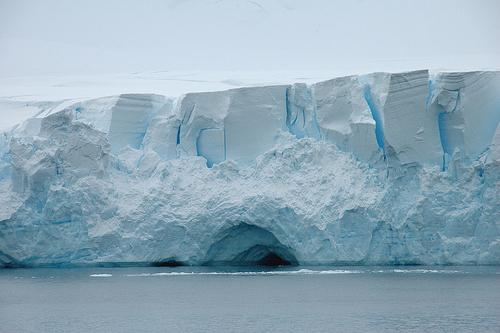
249	245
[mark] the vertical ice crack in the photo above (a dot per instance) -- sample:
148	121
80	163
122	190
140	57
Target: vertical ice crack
287	110
301	118
379	130
179	134
442	138
311	99
290	123
428	100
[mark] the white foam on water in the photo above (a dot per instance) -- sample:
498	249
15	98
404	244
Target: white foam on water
101	275
425	271
304	272
251	273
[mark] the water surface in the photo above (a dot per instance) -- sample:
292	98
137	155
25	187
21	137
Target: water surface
305	299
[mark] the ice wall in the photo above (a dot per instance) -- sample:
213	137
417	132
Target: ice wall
291	174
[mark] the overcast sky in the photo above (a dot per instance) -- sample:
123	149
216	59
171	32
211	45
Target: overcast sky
75	37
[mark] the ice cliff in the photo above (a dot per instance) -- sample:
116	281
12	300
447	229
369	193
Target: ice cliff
374	169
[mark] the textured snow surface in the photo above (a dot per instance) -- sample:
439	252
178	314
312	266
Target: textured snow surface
372	169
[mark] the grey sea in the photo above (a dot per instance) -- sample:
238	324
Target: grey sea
297	299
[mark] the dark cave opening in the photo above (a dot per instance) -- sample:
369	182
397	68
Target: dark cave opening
249	245
273	260
167	263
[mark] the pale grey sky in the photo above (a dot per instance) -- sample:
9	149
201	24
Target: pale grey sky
94	36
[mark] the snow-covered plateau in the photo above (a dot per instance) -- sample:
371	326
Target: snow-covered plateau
380	168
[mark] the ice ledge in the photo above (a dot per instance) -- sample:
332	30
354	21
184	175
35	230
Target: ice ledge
384	119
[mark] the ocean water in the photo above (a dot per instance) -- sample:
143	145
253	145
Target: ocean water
297	299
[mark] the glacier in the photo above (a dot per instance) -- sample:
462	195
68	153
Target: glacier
381	168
